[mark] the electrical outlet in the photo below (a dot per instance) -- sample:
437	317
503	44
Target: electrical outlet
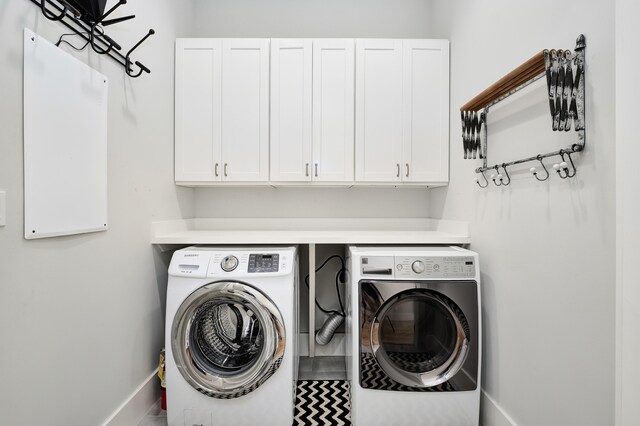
3	208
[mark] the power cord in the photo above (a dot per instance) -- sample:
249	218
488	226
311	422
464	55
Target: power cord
99	31
339	279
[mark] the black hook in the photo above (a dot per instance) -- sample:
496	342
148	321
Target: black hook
142	67
110	11
504	167
535	173
563	168
486	182
110	41
116	20
498	176
50	16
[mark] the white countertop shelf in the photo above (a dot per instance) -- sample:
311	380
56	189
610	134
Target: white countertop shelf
310	231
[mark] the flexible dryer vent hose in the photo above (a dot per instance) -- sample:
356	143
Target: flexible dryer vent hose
324	335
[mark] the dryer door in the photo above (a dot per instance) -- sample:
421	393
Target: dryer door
419	337
227	339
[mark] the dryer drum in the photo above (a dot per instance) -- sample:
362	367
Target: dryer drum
227	338
419	338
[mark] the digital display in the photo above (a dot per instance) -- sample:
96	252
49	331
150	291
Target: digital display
263	263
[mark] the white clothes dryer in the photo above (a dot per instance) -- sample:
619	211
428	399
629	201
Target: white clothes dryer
231	336
414	336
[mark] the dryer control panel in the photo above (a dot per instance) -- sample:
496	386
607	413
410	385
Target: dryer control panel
428	267
435	267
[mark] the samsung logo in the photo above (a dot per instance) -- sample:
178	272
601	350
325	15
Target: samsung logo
191	255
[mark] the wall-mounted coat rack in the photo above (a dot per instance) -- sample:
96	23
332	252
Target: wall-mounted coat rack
565	73
89	25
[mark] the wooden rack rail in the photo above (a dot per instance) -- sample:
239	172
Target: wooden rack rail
532	68
566	102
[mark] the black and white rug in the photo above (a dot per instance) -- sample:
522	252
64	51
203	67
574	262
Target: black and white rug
322	402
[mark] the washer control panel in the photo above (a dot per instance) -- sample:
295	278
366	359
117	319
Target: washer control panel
435	267
263	262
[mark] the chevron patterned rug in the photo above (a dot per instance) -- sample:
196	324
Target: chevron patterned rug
322	402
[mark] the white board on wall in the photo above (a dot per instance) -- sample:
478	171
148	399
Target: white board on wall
65	142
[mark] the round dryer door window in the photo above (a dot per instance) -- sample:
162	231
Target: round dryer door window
227	339
420	338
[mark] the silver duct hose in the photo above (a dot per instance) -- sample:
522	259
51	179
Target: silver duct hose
324	335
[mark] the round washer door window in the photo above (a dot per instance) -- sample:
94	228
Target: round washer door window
420	338
227	339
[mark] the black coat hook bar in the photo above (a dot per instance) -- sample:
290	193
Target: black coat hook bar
101	43
571	149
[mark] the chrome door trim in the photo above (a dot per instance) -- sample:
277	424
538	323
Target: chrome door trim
427	378
246	381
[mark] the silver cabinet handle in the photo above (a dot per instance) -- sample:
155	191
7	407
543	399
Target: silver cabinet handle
398	170
225	169
316	169
216	170
407	169
307	170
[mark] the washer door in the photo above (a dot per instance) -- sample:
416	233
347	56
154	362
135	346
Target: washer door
419	338
227	339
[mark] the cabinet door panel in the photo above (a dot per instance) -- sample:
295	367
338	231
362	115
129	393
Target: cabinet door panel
245	109
378	110
198	109
291	110
333	110
426	111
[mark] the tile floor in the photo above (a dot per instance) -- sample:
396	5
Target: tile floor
322	368
318	368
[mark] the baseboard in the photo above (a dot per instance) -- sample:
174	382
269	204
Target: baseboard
134	408
334	348
491	414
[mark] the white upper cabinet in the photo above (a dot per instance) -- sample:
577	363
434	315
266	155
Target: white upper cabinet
222	110
402	110
245	110
325	111
333	110
312	90
425	149
291	105
198	110
378	110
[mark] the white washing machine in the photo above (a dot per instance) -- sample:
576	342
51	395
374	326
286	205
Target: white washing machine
231	336
414	343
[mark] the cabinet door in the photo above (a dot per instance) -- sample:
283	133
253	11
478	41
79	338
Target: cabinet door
245	109
290	144
198	110
426	111
333	110
378	110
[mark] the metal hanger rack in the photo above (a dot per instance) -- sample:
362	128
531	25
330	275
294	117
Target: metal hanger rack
565	74
92	31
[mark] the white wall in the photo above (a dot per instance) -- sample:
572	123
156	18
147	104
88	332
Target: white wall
547	248
81	317
311	18
628	212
